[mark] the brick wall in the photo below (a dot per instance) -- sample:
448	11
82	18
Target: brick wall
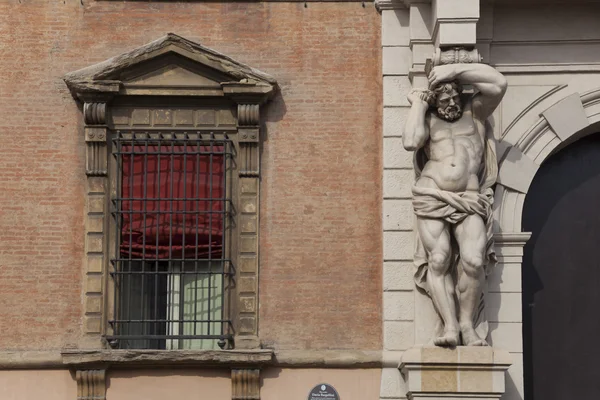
321	200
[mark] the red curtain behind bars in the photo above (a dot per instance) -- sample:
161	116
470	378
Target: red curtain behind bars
165	226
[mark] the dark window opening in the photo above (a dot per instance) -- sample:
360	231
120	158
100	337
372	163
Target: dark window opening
172	211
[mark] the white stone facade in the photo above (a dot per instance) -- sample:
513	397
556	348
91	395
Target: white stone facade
549	56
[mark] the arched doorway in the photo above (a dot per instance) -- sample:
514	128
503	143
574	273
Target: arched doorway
561	276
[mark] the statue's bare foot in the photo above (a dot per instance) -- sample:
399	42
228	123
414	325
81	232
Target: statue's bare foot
448	339
470	338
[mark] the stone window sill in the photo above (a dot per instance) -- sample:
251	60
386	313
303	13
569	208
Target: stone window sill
166	358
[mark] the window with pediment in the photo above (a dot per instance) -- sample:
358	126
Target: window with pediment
172	197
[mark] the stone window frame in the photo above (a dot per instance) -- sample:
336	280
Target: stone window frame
218	76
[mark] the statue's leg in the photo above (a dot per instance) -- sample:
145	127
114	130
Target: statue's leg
471	238
435	235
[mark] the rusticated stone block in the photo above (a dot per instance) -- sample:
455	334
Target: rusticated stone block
248	264
247	284
247	325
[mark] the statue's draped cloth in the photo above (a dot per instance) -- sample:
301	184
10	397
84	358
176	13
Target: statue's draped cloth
454	208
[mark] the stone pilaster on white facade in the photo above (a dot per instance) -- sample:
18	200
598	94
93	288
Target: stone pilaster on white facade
503	306
421	43
398	177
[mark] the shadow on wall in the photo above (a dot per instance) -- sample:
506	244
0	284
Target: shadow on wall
275	111
511	389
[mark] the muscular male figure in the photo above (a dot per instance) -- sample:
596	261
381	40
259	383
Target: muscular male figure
449	197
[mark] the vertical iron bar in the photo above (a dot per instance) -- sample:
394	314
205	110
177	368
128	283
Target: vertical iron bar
197	181
182	296
119	222
210	213
158	215
131	214
170	262
225	194
143	261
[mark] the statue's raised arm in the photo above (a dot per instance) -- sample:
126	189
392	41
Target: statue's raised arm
416	130
490	84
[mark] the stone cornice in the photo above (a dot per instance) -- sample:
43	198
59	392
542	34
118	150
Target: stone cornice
396	4
512	237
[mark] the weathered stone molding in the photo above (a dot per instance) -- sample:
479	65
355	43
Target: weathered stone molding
245	384
91	384
330	358
30	359
162	358
48	359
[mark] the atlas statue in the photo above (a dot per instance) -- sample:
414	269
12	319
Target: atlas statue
456	168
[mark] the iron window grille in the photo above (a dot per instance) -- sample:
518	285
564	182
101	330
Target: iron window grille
172	211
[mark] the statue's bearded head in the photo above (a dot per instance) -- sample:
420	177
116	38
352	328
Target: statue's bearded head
447	100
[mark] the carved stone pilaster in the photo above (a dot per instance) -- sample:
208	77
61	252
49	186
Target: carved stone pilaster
94	115
91	384
249	162
96	133
245	384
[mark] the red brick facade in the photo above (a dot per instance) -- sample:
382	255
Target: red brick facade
320	284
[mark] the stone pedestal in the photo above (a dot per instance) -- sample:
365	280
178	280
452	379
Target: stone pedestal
436	373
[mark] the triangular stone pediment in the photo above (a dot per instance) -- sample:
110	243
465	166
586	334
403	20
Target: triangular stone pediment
170	65
173	76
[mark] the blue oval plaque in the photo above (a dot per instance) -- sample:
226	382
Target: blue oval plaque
323	391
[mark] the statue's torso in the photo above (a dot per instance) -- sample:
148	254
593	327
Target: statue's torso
455	151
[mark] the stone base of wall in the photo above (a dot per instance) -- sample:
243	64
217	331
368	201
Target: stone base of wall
435	373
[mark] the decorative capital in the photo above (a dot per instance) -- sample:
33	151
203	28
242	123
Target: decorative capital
454	55
248	114
248	123
94	113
